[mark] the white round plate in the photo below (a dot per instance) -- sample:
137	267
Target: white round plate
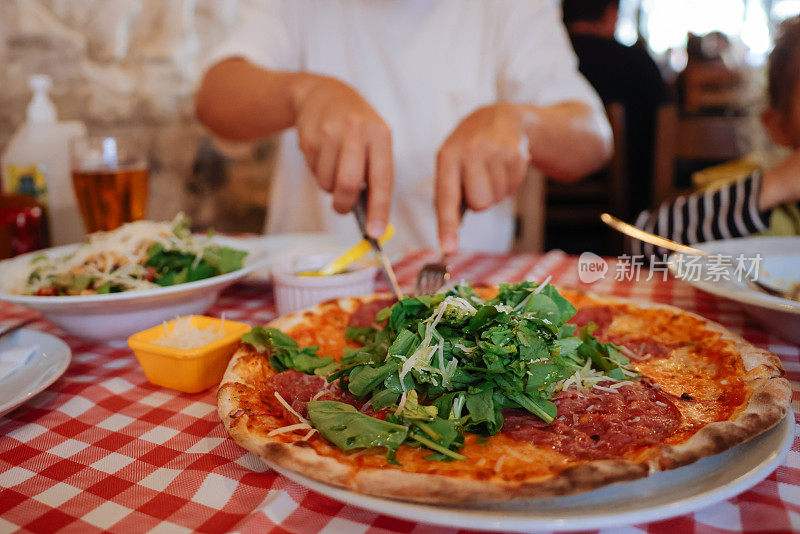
115	316
43	368
659	496
780	257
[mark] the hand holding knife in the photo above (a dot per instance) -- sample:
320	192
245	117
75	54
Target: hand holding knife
360	211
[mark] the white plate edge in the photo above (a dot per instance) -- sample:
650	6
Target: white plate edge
12	405
749	297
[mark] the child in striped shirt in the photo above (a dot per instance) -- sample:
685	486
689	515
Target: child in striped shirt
745	206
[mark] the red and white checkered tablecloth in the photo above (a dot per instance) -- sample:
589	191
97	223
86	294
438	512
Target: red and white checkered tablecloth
103	449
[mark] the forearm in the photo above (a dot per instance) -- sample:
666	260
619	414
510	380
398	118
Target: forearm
568	140
781	184
240	101
346	144
726	212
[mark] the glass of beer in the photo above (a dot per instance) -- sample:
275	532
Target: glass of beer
109	175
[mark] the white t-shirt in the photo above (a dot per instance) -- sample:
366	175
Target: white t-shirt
424	65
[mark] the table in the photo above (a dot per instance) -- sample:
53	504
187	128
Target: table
104	449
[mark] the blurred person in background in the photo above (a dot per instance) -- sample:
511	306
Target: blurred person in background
762	201
620	74
715	80
425	103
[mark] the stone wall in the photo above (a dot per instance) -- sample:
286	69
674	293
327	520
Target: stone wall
133	66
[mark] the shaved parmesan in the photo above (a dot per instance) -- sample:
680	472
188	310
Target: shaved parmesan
583	378
291	410
288	428
543	285
539	289
516	454
499	464
456	305
419	360
464	349
401	404
603	388
422	356
631	355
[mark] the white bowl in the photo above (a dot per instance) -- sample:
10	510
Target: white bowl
116	316
294	293
780	257
296	244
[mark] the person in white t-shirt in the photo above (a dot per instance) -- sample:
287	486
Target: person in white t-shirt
429	104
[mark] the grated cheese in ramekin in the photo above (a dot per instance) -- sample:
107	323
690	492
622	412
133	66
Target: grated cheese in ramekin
185	336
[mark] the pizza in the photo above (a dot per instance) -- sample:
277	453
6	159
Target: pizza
488	394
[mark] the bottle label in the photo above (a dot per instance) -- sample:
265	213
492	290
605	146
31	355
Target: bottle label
25	180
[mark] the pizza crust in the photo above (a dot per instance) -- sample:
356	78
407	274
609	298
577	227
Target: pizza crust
769	400
767	405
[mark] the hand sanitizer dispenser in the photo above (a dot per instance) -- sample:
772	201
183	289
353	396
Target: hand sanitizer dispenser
36	162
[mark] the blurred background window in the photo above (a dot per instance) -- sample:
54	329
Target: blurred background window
665	24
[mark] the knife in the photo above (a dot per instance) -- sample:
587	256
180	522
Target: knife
360	211
641	235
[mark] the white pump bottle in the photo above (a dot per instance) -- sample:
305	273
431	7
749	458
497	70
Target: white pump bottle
36	162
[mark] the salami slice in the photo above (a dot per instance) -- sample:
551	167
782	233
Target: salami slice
602	316
297	389
365	314
599	424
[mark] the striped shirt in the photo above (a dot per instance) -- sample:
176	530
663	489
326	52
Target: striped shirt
707	215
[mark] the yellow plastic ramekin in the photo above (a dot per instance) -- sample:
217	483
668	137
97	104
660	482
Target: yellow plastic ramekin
190	370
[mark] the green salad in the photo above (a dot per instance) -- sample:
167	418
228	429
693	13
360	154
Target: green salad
138	255
448	364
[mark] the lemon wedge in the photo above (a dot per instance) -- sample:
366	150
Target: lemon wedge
354	254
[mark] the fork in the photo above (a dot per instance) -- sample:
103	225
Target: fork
432	277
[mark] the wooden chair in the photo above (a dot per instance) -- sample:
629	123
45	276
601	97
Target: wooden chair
699	139
579	204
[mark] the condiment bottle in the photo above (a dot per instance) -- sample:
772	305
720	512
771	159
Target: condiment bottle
23	225
36	163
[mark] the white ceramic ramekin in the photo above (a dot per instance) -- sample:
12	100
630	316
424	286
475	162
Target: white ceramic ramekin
294	293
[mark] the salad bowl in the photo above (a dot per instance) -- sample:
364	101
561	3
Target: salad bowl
115	316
